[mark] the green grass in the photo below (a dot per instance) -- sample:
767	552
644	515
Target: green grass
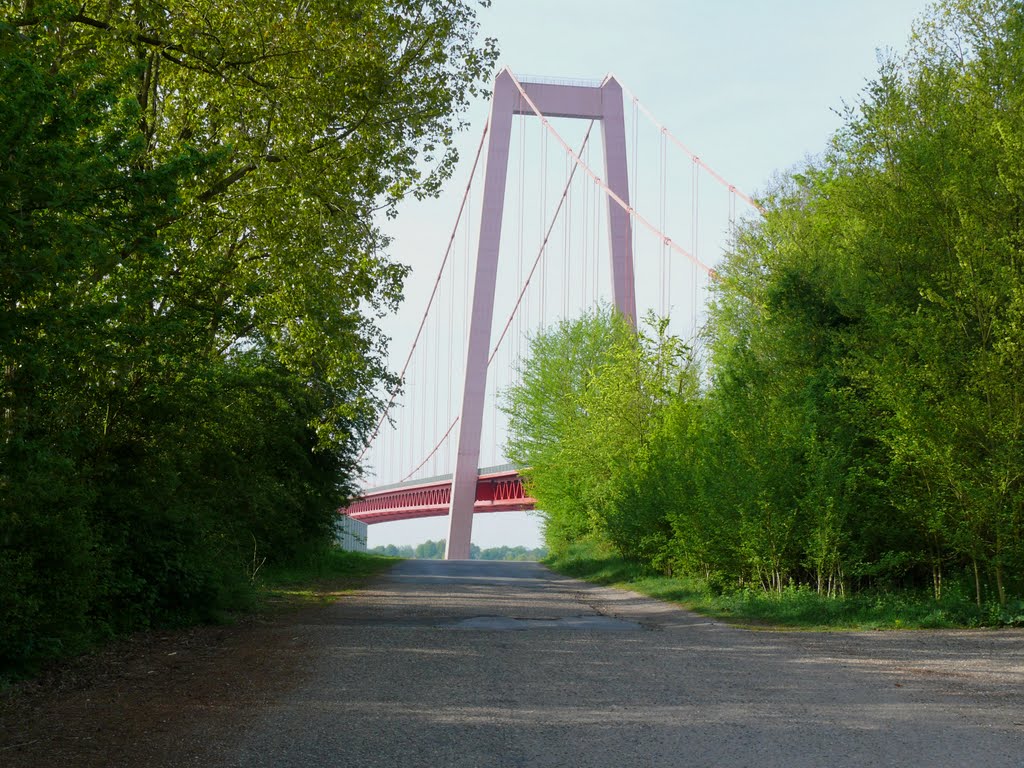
794	608
320	579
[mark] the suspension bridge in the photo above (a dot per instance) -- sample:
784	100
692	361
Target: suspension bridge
647	205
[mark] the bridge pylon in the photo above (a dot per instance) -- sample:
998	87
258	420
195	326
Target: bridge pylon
589	102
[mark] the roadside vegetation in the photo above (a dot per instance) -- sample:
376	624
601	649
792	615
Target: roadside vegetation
191	271
795	607
847	447
316	580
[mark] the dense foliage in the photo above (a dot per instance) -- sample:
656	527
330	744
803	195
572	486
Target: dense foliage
434	550
190	273
860	421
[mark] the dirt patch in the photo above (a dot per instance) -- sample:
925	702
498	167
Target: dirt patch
156	699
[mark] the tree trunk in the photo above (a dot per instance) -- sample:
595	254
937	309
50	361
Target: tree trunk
977	581
937	579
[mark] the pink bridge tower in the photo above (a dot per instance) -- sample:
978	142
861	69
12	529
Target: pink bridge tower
604	103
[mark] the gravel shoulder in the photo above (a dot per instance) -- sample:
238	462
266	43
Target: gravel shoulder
156	699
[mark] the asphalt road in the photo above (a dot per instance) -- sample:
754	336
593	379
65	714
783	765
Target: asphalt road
506	664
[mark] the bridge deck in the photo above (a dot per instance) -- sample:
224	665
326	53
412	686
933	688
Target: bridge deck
500	490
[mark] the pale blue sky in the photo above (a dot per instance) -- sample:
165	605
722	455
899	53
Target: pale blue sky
750	86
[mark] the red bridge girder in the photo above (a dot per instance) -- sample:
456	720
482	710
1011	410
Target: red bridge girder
495	492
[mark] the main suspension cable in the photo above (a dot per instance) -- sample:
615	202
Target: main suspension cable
693	155
672	244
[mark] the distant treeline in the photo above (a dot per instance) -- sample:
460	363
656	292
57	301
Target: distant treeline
434	550
855	417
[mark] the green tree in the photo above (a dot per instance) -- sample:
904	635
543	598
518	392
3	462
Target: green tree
592	396
430	550
545	408
860	421
862	339
190	271
75	202
316	118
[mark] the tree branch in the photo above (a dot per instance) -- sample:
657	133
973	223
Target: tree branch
137	36
232	178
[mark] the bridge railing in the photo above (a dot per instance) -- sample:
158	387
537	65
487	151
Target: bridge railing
497	469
